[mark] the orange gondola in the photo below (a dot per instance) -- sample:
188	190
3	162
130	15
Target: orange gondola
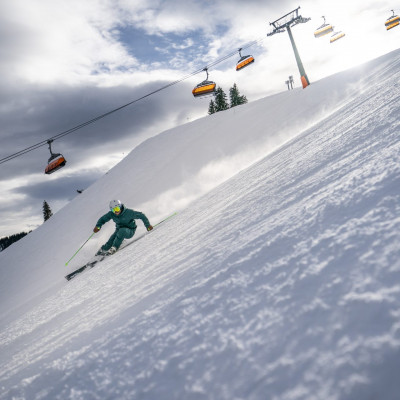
55	162
244	61
392	21
324	29
204	88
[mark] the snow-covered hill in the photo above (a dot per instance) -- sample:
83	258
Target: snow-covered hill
281	282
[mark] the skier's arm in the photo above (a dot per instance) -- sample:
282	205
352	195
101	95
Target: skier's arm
105	218
140	215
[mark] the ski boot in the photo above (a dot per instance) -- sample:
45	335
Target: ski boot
112	251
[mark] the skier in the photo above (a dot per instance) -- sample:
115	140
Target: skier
124	219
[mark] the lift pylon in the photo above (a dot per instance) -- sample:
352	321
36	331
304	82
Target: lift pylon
286	23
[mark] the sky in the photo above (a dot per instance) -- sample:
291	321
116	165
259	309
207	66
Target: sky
66	62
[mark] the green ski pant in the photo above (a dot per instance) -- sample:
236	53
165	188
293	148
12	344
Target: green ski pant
117	238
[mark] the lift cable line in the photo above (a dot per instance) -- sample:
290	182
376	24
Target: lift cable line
286	23
80	126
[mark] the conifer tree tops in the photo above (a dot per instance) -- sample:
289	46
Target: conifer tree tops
235	97
46	211
211	108
220	102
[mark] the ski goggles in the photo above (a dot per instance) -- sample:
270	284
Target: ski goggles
116	209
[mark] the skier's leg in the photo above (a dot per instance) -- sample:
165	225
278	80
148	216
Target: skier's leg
110	241
121	234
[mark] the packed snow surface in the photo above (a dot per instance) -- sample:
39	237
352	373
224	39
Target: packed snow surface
279	278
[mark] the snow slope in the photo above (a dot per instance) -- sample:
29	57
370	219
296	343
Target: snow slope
167	172
282	282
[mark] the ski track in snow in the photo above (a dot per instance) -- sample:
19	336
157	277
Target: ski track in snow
281	283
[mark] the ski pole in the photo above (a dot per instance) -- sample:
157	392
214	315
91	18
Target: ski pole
166	218
79	249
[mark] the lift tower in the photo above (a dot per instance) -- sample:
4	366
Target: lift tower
287	22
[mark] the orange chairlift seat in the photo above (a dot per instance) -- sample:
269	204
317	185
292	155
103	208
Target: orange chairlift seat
337	36
244	61
324	29
392	21
204	88
55	162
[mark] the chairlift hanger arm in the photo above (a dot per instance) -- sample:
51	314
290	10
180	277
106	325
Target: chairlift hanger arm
49	142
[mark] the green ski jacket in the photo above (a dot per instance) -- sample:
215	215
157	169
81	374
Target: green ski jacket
124	220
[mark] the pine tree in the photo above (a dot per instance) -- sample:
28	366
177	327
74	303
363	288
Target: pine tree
221	103
235	98
46	211
211	108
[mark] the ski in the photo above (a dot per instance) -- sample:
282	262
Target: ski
96	259
90	264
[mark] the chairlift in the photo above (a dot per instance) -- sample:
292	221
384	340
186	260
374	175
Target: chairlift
337	36
204	88
392	21
324	29
55	162
244	61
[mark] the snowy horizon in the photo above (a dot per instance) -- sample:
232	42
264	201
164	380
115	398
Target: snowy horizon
278	278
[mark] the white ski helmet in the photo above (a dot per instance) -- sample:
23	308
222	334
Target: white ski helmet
115	203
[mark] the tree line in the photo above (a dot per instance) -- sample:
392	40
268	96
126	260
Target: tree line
220	102
9	240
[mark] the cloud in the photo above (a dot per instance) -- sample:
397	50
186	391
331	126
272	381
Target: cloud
64	187
54	41
39	113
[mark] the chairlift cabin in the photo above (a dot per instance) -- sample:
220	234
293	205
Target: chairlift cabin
204	88
324	29
244	61
337	36
55	162
392	21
